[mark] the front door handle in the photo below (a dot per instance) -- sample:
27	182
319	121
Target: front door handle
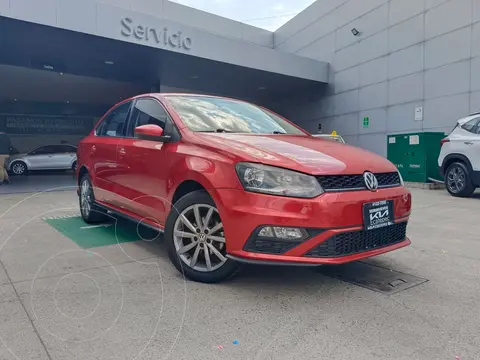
122	151
468	143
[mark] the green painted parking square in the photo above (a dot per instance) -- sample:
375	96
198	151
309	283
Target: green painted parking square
90	236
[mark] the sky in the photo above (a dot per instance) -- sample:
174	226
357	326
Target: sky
266	14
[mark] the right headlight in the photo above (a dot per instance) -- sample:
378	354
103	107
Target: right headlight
277	181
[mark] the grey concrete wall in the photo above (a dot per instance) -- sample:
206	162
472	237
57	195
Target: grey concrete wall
211	37
41	10
409	54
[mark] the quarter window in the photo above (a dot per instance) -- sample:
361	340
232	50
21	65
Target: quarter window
471	126
114	123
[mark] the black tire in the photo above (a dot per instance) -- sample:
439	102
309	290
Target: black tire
19	164
456	171
95	214
227	270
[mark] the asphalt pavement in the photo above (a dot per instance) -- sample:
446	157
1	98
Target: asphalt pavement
126	301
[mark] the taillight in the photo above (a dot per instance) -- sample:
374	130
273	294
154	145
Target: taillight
443	141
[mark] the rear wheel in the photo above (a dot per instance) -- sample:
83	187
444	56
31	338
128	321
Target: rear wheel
195	239
90	212
458	180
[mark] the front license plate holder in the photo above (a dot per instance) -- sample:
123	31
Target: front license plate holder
378	214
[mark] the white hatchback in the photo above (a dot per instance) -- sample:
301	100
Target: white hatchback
459	159
48	157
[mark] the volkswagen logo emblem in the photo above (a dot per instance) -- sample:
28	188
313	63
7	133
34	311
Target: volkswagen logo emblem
371	181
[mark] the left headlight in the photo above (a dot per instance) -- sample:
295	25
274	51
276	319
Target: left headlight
277	181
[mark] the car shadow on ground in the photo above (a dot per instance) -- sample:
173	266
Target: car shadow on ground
152	241
261	277
148	239
476	195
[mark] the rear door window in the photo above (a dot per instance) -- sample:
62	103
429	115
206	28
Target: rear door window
476	129
44	150
57	149
67	149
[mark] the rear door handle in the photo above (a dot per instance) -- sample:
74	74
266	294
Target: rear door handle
468	143
122	151
93	149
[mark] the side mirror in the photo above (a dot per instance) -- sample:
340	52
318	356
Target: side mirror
151	132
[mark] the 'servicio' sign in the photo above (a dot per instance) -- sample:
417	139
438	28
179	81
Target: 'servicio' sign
160	36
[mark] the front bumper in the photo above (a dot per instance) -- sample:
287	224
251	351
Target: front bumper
331	219
8	163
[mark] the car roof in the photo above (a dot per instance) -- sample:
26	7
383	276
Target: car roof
468	118
159	94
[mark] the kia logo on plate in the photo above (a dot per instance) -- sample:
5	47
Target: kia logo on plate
370	181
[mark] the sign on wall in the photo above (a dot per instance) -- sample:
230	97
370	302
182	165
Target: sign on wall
366	122
44	124
160	36
419	113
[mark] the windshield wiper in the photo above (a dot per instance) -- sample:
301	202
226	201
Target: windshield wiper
219	130
279	132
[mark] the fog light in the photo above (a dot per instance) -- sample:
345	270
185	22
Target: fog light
283	233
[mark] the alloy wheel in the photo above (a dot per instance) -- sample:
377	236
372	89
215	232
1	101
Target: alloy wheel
199	239
18	168
85	198
456	179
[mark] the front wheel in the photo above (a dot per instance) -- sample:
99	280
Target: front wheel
195	239
19	168
458	180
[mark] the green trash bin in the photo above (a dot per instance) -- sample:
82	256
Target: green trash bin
415	155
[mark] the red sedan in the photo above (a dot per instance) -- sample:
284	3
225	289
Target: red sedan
231	182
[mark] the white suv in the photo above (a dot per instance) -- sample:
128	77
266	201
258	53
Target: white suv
459	158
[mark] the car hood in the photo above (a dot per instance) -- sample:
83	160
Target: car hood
15	157
302	153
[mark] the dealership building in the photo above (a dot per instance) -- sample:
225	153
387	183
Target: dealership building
365	68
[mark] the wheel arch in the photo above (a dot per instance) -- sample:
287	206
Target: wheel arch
187	186
10	165
81	172
451	158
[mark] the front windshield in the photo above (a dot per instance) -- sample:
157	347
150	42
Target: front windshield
211	114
